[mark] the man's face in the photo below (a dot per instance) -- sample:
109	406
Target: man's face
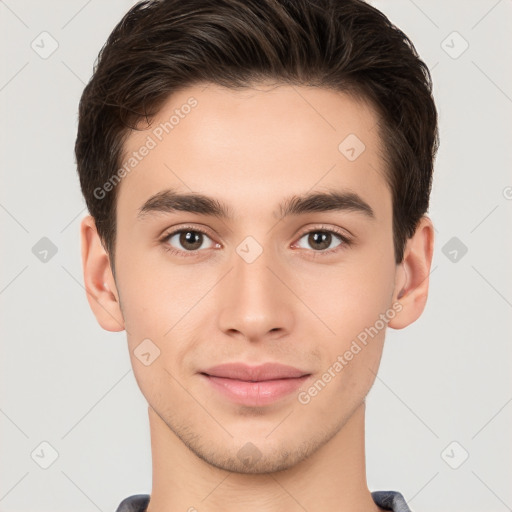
255	287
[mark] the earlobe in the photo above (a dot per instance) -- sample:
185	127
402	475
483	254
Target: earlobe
99	282
412	280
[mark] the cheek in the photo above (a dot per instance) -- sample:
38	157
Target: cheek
341	387
354	302
156	295
162	310
348	298
350	358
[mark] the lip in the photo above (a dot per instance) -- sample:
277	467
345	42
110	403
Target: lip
254	385
262	372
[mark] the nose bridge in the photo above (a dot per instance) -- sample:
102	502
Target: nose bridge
255	301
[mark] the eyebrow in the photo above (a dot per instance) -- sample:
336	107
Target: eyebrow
169	201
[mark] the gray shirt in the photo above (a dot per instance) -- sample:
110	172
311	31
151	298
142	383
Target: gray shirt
388	500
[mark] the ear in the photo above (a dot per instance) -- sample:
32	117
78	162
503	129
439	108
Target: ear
98	279
412	277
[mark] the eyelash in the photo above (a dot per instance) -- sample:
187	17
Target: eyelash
346	241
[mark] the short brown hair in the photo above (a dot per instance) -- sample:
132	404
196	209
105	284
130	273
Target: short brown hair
161	46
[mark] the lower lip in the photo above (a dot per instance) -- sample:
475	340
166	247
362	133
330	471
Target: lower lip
255	393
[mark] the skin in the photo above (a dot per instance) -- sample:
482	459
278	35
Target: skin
291	305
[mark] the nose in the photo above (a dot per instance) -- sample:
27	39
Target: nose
255	301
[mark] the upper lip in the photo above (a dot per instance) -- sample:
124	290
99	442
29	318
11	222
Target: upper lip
267	371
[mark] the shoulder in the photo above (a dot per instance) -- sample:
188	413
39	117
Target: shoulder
135	503
390	500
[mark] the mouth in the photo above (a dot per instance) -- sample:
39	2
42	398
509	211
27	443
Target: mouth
259	373
254	385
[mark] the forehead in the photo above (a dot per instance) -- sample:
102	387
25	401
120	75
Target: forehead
256	143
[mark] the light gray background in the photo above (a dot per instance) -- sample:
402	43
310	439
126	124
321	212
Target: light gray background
445	378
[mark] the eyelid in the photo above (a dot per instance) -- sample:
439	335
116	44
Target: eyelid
175	230
344	234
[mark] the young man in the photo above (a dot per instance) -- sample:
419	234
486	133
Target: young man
257	174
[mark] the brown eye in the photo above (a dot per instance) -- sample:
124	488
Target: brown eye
322	240
191	240
186	240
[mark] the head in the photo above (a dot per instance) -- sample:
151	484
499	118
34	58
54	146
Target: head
254	105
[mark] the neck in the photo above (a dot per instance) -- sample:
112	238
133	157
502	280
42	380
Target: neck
332	479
